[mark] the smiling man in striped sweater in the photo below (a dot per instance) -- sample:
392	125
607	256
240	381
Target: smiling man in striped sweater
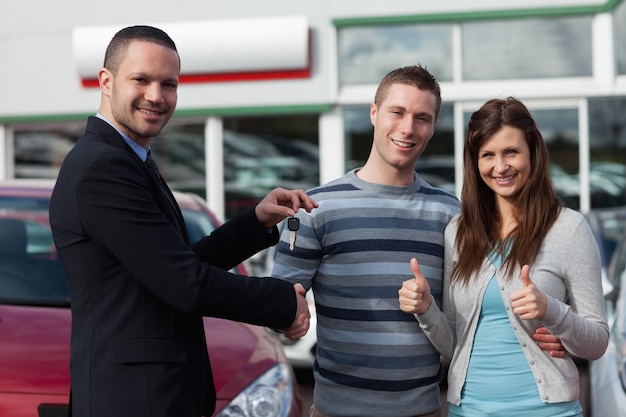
354	252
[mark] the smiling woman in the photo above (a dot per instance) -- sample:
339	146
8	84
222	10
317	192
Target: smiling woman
504	164
520	273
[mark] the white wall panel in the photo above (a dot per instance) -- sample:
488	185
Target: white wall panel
212	46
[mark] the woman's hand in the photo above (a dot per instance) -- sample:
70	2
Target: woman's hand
529	303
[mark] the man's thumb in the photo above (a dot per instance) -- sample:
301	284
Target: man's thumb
299	288
415	267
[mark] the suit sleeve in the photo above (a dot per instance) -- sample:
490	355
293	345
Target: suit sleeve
236	240
150	249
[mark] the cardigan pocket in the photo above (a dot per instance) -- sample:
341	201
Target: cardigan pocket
150	350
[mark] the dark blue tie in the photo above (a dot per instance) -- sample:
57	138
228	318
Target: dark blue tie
153	167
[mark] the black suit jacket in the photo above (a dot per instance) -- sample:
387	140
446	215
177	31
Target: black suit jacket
138	289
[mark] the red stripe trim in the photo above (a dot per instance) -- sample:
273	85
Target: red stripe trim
226	77
249	76
234	76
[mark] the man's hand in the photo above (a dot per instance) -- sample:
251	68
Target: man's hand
414	296
529	303
547	341
281	203
301	324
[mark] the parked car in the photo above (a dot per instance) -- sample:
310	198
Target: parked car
608	226
251	373
608	374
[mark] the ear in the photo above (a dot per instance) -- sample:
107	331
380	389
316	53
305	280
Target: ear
373	111
105	79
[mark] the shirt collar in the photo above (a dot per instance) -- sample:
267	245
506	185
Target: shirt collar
141	152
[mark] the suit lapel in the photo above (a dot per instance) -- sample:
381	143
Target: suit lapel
162	194
166	201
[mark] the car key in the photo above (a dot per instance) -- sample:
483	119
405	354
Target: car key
293	224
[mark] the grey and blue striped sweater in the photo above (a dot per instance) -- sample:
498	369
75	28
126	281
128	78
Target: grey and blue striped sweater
354	251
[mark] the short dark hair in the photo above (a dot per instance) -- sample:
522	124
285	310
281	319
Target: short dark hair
414	75
119	44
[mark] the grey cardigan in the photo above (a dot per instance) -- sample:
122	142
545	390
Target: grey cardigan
567	270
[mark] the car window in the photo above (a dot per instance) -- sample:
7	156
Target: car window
30	269
31	204
618	264
613	231
198	224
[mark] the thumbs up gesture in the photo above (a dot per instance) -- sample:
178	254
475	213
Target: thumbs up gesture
414	296
529	303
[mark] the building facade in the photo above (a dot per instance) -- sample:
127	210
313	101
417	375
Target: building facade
277	93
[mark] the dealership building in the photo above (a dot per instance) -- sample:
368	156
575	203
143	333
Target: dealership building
277	92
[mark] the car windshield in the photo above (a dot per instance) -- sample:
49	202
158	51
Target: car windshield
30	268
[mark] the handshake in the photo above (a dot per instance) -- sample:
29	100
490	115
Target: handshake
302	322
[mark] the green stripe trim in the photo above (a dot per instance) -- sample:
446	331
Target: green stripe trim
222	112
50	118
254	111
478	15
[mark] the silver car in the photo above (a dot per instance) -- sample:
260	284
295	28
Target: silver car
608	374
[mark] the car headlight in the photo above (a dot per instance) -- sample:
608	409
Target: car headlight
270	395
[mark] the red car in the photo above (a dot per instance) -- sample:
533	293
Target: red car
252	376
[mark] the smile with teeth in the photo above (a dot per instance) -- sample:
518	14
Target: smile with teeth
403	144
505	179
150	112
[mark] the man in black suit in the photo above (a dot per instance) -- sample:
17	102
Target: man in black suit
138	288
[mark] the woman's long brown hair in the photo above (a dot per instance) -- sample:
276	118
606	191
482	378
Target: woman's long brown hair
535	209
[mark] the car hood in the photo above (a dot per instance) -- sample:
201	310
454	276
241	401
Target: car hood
34	350
241	351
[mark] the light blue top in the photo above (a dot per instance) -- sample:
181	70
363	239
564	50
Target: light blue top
499	381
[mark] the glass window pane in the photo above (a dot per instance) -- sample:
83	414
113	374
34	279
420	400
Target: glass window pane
527	48
619	28
559	128
261	153
179	153
358	133
607	137
436	165
366	54
39	152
